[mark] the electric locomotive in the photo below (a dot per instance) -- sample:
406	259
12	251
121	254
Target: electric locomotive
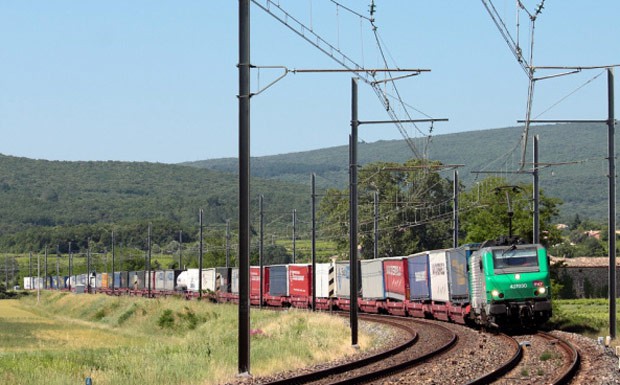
509	284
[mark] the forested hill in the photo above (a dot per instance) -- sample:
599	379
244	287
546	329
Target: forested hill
40	193
50	202
582	185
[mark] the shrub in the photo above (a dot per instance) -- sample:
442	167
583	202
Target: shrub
166	320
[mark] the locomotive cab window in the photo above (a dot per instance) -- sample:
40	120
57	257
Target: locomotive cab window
515	260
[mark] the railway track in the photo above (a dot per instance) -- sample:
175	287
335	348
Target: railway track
571	365
547	359
418	348
389	366
479	358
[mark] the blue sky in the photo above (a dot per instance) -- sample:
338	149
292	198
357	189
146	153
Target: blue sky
156	81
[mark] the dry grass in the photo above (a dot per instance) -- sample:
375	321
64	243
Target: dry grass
131	341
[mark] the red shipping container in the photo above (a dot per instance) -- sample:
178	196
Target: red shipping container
255	281
396	277
300	280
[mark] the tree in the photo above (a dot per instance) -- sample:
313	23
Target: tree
415	209
485	213
273	255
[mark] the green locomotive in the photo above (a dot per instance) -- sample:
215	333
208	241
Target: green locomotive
509	284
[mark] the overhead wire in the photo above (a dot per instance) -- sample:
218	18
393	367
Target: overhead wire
341	58
570	94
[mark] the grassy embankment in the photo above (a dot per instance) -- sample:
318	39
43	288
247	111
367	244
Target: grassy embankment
126	340
589	317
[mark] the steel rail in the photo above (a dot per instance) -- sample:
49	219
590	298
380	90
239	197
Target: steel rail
572	367
324	373
392	370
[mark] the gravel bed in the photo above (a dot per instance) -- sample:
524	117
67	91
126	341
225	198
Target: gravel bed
542	362
476	354
599	365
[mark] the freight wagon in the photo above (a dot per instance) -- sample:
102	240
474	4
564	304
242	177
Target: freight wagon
493	284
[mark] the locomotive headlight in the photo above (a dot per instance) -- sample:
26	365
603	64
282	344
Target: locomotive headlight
542	290
495	293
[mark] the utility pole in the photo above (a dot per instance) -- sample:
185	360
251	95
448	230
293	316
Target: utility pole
455	236
611	165
57	267
148	259
261	251
88	267
70	265
200	214
294	234
228	243
180	249
45	270
353	202
113	260
38	284
375	251
314	242
353	257
30	271
244	188
536	193
611	154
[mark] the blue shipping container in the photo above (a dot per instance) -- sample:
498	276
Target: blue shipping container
419	277
116	280
278	280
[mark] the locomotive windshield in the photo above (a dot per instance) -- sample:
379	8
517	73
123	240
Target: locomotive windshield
515	260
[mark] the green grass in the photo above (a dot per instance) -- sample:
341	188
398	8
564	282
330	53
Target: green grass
589	317
66	337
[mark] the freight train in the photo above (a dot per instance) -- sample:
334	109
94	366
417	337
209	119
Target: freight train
495	284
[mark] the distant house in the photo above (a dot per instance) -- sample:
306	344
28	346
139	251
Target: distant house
561	226
593	234
585	277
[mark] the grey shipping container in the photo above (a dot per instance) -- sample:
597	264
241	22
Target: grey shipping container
373	283
136	280
419	276
448	270
278	280
159	280
234	280
98	280
343	279
124	276
225	275
170	278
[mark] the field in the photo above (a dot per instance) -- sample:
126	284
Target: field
589	317
64	338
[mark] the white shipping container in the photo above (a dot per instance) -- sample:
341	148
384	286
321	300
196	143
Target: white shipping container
322	279
448	275
373	283
439	275
343	279
234	281
188	280
209	279
159	280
